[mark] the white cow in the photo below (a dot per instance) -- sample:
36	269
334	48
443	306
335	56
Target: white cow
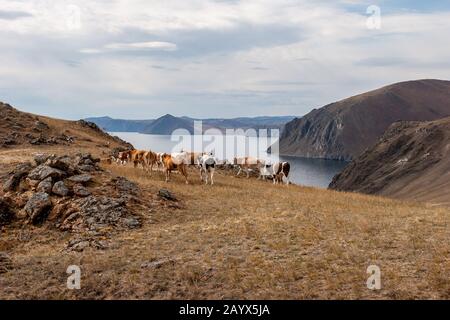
266	170
180	158
207	164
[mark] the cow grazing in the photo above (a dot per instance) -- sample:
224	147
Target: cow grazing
247	165
207	165
123	157
176	161
159	162
150	159
265	170
137	157
280	170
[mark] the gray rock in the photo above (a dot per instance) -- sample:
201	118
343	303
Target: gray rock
16	175
41	158
40	126
94	213
60	189
81	191
82	178
11	184
80	244
166	194
131	223
125	186
87	168
62	163
43	171
38	206
6	214
45	185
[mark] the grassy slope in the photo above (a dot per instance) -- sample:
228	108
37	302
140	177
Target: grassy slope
245	239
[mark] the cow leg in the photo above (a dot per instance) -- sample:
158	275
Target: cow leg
248	174
182	170
287	180
212	176
239	172
167	172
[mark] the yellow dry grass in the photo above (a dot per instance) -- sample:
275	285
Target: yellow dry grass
245	239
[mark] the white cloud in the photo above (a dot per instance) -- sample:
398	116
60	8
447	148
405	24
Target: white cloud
135	46
79	57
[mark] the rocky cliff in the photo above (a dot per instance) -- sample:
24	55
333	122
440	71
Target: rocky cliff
344	129
410	161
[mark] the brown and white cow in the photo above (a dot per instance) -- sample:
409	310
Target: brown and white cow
159	162
177	161
123	157
280	170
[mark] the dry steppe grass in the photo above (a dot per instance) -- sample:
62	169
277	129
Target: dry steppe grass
245	239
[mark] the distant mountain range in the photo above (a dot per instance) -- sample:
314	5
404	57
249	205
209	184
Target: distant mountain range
344	129
165	125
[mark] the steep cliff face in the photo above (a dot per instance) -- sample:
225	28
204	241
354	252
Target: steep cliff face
344	129
410	161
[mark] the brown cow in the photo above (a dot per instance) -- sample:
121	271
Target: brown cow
150	159
170	163
137	157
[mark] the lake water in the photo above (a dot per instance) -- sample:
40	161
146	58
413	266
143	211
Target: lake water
304	171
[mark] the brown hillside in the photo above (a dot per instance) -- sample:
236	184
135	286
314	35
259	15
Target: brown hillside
27	130
239	239
344	129
410	161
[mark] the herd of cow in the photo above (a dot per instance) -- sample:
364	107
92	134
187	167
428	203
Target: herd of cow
205	162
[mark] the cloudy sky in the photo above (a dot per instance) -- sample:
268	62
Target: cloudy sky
212	58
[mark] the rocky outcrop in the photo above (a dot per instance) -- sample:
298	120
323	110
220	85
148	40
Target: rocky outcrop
410	161
16	176
60	189
6	213
38	207
343	130
57	189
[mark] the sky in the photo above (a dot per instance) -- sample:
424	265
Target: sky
141	59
